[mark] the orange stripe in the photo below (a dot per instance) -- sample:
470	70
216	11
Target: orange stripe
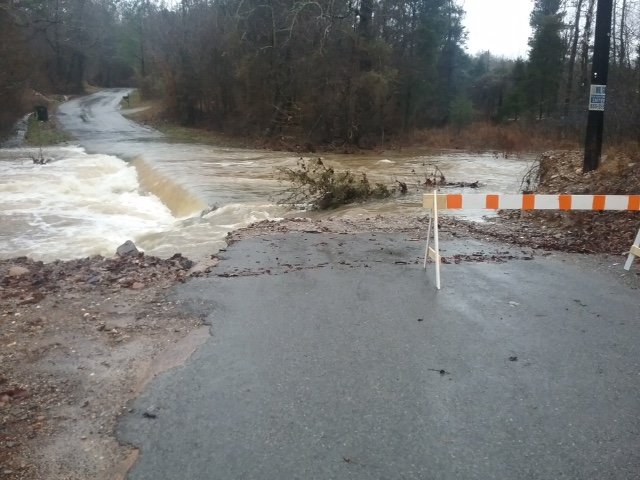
492	202
634	202
454	201
565	202
598	202
528	202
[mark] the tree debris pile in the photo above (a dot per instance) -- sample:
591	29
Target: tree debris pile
586	231
322	187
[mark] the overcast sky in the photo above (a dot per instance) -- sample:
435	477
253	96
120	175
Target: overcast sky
500	26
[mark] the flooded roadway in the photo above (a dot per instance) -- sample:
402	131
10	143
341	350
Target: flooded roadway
121	180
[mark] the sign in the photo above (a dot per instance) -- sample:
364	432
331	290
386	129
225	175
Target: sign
597	97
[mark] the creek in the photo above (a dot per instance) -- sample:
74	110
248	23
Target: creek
120	180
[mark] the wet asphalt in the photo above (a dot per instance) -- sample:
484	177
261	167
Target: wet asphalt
334	357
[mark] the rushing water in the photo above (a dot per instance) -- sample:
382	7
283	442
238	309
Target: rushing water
19	132
122	181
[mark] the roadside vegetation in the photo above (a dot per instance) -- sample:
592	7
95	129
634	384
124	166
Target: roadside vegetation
42	134
503	138
151	112
326	75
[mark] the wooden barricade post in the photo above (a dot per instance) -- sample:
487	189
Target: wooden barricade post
634	252
433	253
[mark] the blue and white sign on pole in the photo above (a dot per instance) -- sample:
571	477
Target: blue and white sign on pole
597	97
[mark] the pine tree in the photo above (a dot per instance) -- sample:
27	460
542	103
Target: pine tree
546	57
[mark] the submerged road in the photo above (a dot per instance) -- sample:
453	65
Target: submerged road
333	357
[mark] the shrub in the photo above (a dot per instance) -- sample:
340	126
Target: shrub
322	187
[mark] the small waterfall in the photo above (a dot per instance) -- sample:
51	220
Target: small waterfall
178	199
19	131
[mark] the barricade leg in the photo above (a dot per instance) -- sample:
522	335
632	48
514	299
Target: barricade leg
433	253
436	241
426	248
634	252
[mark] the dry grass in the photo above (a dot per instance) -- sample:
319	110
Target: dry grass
482	136
620	156
142	111
153	114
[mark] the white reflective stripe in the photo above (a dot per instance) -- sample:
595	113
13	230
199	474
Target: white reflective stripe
616	202
547	202
511	202
581	202
474	201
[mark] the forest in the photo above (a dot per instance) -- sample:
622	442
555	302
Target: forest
330	72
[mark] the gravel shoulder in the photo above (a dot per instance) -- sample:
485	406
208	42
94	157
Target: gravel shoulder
78	340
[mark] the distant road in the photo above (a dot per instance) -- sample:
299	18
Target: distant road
96	122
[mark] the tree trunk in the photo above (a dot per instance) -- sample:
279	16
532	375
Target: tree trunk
365	34
586	39
623	60
572	58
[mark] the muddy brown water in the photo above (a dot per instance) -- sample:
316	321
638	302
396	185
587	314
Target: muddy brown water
120	181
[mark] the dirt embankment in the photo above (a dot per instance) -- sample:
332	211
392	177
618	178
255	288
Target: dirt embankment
583	232
77	341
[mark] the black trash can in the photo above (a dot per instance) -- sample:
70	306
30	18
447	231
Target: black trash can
42	114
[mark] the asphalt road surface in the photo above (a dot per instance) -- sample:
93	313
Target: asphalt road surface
333	357
97	124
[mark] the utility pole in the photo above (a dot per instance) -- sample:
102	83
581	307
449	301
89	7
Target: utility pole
597	94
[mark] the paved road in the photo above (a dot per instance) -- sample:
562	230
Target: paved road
325	363
97	124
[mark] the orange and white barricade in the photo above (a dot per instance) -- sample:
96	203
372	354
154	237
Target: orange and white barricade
456	201
634	252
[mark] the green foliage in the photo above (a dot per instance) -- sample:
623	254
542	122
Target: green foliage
314	183
40	134
545	59
461	113
516	97
332	72
329	72
14	71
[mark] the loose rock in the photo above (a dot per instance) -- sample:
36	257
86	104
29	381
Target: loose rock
17	271
127	248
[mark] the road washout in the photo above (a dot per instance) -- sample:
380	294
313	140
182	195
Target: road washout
79	338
